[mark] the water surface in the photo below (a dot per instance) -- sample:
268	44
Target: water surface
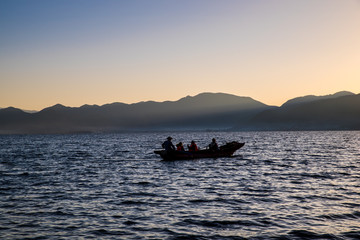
280	185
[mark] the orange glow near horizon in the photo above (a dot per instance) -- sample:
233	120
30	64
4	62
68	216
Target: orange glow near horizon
271	51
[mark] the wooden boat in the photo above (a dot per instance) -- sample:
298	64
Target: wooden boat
226	150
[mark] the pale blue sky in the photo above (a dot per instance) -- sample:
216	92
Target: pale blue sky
96	52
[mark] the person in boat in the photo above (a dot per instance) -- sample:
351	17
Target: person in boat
180	147
168	145
193	147
213	146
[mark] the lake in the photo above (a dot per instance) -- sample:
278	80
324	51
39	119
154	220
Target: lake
280	185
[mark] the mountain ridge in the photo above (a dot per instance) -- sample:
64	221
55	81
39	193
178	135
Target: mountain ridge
205	111
310	98
339	113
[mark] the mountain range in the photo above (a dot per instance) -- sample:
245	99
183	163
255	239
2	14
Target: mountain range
340	111
206	111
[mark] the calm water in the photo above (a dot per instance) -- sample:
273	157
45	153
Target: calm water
280	185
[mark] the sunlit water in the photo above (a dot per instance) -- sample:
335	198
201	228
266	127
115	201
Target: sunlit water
280	185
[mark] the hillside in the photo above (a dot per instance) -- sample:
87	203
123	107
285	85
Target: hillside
204	111
339	113
311	98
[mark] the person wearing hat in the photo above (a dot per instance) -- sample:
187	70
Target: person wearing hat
168	145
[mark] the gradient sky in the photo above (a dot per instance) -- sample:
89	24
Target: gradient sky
103	51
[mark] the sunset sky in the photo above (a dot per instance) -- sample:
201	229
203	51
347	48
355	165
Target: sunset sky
103	51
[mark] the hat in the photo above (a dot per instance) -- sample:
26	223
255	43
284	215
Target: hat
169	138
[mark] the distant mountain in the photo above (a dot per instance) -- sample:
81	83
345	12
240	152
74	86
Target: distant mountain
211	111
330	113
311	98
11	114
206	111
10	117
29	111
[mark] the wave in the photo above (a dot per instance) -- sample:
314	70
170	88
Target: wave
353	215
309	235
104	232
221	223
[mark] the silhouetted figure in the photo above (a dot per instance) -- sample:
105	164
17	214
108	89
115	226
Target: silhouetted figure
213	146
168	145
193	147
180	147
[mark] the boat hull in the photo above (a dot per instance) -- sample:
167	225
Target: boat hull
226	150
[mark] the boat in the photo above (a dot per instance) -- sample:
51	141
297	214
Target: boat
226	150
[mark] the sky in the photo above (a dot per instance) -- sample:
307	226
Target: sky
103	51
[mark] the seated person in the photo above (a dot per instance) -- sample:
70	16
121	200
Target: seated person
180	147
193	147
213	145
168	145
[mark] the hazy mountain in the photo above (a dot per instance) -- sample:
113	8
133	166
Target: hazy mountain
204	111
11	117
29	111
339	113
311	98
11	114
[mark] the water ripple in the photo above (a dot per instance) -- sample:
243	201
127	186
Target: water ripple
281	185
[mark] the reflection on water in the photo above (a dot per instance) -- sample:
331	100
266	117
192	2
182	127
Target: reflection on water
281	185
